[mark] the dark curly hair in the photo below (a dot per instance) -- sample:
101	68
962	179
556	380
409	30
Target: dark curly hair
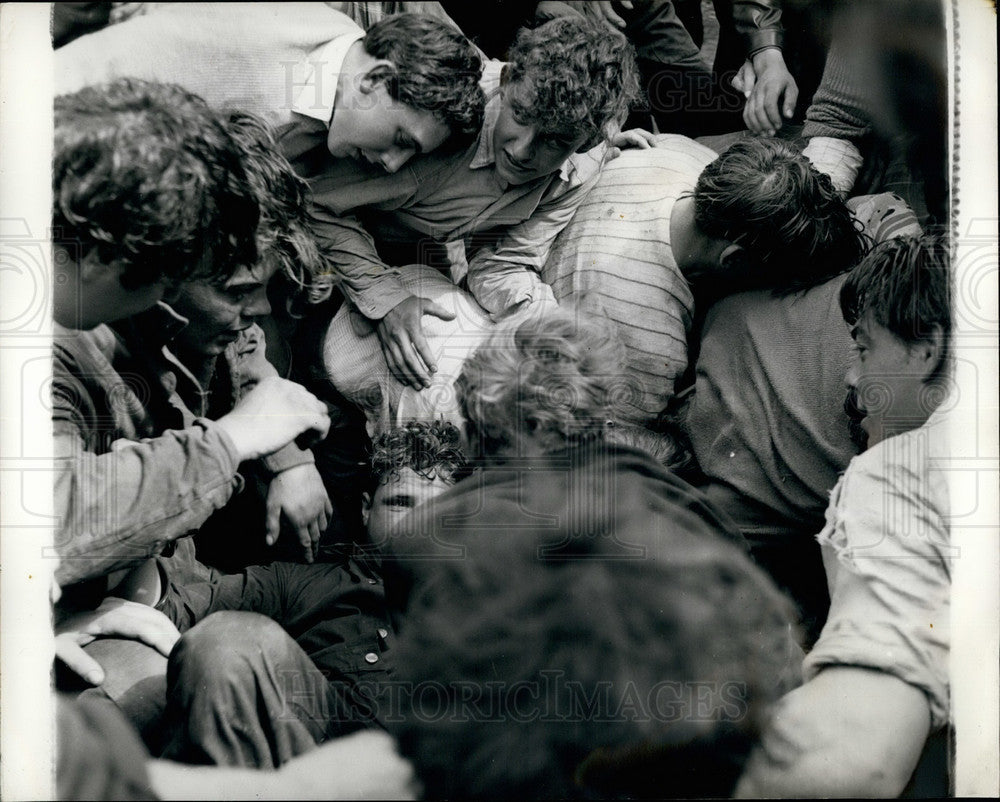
146	175
428	448
575	78
795	230
282	234
905	283
555	381
436	69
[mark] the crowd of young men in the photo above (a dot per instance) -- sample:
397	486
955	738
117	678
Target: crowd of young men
421	432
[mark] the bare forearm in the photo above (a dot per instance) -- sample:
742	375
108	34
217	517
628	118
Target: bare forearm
848	732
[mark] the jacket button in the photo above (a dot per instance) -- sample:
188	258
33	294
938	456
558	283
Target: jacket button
383	633
371	657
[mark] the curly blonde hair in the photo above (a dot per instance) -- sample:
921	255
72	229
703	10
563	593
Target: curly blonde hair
578	78
554	381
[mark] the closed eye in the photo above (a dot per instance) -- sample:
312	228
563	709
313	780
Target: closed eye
399	500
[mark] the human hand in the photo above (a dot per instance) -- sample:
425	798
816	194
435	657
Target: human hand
299	495
770	90
633	138
273	414
364	765
406	350
600	11
114	618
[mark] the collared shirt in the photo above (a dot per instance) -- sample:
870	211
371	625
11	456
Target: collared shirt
449	197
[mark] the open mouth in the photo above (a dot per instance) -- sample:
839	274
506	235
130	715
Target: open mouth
514	166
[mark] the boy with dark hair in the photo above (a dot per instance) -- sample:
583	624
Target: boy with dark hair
137	163
191	212
330	88
761	216
878	678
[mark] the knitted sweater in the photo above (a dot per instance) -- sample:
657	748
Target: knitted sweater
252	56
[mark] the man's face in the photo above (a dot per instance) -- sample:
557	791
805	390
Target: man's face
87	293
373	127
394	499
218	313
887	376
521	152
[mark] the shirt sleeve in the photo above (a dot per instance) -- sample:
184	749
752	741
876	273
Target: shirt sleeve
506	275
759	24
119	508
890	596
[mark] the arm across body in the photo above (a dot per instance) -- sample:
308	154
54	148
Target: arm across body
506	276
121	507
878	676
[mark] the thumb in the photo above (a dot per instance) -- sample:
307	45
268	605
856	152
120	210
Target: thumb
430	308
791	96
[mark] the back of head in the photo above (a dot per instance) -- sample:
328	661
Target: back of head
542	386
436	68
590	678
577	78
146	176
794	229
905	284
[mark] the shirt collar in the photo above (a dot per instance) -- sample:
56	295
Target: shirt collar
322	71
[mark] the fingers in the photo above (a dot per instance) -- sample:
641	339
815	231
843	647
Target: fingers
611	16
791	98
125	619
404	366
431	308
71	653
272	526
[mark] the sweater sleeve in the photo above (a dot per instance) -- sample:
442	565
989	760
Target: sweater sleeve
841	107
118	508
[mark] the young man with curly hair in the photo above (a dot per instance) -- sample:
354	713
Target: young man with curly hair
207	348
379	97
488	213
149	192
539	562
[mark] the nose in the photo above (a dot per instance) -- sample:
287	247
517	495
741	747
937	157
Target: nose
394	158
257	304
522	147
852	375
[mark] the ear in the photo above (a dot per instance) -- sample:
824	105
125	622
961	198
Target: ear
379	72
366	508
929	352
